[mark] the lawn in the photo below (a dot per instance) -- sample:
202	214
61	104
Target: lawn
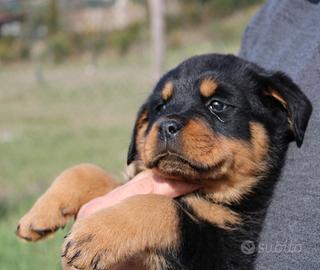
76	115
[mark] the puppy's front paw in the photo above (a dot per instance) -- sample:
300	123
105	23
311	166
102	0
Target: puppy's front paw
70	190
98	242
47	216
116	234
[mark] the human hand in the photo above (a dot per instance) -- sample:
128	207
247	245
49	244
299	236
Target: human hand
146	182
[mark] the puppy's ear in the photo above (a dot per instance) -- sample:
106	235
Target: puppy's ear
294	101
142	118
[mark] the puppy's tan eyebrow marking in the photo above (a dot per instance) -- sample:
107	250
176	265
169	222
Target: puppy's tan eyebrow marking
167	91
208	87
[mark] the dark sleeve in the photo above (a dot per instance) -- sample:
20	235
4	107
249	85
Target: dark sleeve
285	35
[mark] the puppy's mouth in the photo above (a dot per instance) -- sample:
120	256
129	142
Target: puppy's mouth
175	165
170	156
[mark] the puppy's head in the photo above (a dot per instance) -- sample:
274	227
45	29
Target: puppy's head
217	117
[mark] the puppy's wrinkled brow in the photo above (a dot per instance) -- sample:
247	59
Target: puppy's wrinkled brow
208	87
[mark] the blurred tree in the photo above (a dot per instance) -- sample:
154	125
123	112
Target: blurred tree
156	9
53	17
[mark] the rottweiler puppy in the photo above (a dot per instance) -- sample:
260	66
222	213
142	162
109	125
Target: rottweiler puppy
215	120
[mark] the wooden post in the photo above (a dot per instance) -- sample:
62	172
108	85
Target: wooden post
157	20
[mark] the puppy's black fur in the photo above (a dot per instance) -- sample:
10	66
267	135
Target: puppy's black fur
242	94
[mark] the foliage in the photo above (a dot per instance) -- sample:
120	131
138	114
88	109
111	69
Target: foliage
13	49
220	6
223	7
53	17
123	39
59	46
44	22
92	42
195	12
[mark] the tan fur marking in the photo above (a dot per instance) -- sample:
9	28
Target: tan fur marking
148	149
167	91
156	262
71	189
141	121
200	144
275	94
235	163
133	169
249	160
208	87
213	213
134	263
135	225
137	166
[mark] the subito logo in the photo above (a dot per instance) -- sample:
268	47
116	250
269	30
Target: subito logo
248	247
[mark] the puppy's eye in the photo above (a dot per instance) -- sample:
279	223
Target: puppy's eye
217	106
161	107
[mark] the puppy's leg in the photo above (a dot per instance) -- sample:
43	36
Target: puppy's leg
70	190
143	223
136	263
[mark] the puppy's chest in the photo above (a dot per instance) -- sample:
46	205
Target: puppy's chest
210	238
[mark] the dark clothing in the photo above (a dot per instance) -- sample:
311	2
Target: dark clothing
285	35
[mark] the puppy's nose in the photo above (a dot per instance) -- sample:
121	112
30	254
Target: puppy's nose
169	129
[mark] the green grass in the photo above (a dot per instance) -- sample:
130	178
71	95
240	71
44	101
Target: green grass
75	116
